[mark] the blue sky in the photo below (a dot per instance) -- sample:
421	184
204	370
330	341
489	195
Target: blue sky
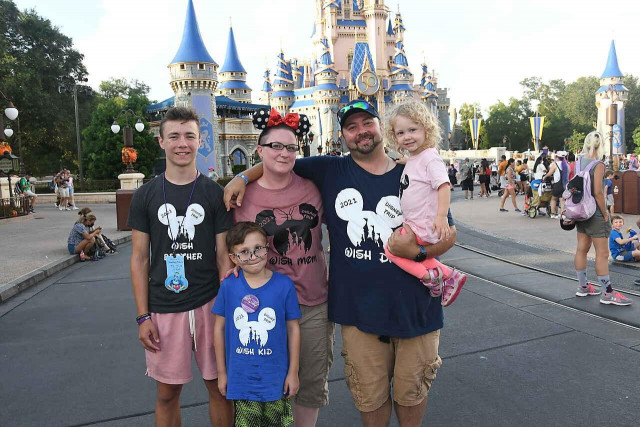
481	50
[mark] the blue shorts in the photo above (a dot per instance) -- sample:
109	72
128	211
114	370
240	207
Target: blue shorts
627	255
72	248
70	190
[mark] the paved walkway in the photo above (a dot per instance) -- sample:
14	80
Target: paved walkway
69	355
39	240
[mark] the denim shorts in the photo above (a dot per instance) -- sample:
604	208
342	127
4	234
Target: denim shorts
72	248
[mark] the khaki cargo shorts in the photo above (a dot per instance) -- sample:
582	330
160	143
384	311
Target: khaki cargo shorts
370	366
316	356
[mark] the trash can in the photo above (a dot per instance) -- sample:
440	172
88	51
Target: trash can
618	192
123	201
631	190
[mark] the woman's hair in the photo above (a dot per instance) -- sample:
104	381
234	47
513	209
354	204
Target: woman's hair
419	113
484	164
82	214
509	162
268	130
593	143
89	217
571	157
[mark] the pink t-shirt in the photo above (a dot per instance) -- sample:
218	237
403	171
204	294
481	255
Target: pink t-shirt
292	218
422	176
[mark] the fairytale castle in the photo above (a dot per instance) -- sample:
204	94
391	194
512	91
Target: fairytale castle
357	53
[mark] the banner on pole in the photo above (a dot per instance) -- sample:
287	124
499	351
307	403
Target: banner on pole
474	126
537	125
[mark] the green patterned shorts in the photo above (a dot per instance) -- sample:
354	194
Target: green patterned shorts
263	414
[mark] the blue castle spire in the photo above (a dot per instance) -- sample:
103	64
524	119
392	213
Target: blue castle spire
192	48
400	63
390	29
232	61
283	71
266	86
326	63
612	69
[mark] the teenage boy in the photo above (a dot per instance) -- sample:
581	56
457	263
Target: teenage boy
289	208
390	324
622	249
257	336
25	186
179	227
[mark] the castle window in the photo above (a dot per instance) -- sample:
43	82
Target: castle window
182	66
244	91
233	91
200	66
349	60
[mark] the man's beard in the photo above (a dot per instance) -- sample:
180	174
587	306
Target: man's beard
364	149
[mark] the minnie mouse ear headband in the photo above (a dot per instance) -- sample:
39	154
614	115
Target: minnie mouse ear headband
263	119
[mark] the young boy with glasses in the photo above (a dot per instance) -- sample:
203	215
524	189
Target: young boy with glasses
256	333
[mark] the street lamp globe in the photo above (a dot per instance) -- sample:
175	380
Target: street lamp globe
8	132
139	126
115	128
11	112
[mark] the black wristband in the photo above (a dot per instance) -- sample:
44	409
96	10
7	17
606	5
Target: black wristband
422	255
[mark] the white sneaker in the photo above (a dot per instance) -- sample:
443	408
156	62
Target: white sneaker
75	208
61	208
67	209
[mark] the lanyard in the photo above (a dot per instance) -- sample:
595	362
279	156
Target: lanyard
164	195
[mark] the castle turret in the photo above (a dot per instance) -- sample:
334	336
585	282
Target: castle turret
612	90
401	77
233	76
283	95
375	15
429	86
326	93
398	27
193	80
267	89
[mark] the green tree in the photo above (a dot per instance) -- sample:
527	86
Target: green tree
103	148
510	120
35	58
577	103
631	109
123	88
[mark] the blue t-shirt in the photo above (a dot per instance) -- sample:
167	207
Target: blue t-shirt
609	185
257	355
616	247
365	289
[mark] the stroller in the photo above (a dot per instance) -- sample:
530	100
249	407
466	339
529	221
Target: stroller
538	196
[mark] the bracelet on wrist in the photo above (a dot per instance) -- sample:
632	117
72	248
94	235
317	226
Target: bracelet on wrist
246	180
142	318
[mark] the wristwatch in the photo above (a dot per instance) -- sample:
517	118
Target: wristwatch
422	255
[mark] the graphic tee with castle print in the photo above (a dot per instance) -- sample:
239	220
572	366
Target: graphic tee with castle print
205	217
365	289
256	349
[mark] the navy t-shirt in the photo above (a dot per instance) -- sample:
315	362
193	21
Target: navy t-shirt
256	349
366	290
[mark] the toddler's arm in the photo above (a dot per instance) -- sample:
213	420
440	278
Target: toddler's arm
441	224
218	344
292	382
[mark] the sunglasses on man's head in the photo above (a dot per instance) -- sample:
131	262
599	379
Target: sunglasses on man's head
359	105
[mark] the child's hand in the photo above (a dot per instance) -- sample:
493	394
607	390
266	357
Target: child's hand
291	385
441	225
222	384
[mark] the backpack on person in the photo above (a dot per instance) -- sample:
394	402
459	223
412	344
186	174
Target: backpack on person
580	205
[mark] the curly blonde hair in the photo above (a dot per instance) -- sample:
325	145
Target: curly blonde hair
594	142
419	113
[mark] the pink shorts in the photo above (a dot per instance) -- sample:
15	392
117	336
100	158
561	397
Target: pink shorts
172	364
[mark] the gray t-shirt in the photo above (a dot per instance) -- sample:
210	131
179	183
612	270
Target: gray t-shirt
75	236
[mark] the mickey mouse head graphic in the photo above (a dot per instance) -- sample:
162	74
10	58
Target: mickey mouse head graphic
254	331
176	227
367	226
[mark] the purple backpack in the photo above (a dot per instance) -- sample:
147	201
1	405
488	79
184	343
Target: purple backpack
579	203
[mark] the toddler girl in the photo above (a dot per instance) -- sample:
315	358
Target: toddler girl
424	195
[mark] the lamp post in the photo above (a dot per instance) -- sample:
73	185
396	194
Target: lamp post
73	89
12	114
127	133
612	120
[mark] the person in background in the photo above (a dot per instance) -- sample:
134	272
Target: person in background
571	159
81	240
451	171
72	199
559	173
524	176
595	230
63	188
608	190
623	249
213	175
466	178
502	167
26	187
484	173
510	175
633	162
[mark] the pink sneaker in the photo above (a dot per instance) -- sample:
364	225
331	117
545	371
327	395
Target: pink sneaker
452	287
435	282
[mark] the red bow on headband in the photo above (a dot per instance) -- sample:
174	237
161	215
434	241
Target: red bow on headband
292	119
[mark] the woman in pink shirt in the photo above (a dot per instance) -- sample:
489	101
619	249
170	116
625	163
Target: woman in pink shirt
424	195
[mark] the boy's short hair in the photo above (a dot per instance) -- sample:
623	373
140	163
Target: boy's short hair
180	114
239	232
609	172
616	216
